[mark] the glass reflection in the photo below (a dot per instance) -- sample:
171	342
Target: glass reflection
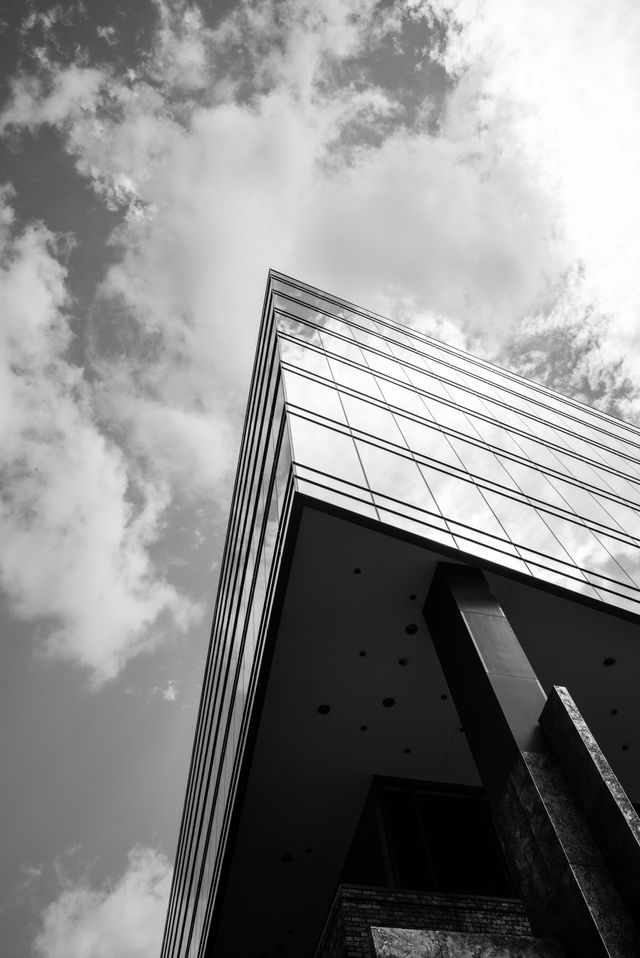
371	419
310	394
325	449
461	501
354	377
395	476
428	441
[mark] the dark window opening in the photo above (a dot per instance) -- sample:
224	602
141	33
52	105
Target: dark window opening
422	835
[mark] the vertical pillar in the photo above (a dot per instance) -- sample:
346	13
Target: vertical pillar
559	869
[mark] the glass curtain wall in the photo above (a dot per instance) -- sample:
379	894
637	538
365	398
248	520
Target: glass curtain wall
260	508
396	426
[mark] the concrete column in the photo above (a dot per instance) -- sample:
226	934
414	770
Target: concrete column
563	879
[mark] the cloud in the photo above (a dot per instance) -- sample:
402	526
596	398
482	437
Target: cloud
122	919
75	523
493	215
296	162
565	80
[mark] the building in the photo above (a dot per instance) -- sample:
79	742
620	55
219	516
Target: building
419	544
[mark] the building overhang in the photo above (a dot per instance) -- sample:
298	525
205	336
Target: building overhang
351	687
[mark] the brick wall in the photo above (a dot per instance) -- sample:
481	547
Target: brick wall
356	908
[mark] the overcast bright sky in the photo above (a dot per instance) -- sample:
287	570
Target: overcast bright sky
471	167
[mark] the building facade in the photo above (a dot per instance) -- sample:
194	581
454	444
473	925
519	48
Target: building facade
421	546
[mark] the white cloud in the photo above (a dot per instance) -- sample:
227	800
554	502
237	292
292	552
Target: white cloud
215	191
51	98
258	144
75	525
121	919
565	78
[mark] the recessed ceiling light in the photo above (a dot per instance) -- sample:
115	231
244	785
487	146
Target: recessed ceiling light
362	653
413	595
286	857
407	751
411	629
357	571
363	728
388	703
614	711
402	661
444	697
324	709
609	660
625	747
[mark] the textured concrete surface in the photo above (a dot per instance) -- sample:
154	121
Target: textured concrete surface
413	943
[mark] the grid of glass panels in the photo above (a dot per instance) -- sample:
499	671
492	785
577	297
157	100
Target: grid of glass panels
395	426
258	520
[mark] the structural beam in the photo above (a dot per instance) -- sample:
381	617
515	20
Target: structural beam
561	874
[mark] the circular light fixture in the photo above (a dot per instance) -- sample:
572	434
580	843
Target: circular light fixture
614	711
324	709
286	857
625	747
412	596
364	728
357	571
388	703
411	629
407	751
402	661
444	697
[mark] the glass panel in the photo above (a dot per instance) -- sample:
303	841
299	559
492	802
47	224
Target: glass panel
307	359
400	520
405	399
581	544
623	555
582	503
374	420
370	339
523	524
428	441
428	384
341	347
461	501
394	475
534	483
496	435
325	449
310	394
482	463
298	331
354	378
388	367
352	503
449	417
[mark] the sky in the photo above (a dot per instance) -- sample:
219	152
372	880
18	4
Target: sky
469	167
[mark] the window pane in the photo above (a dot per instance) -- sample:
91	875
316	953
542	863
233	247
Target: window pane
461	501
372	419
325	449
524	526
395	476
354	378
309	394
428	441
